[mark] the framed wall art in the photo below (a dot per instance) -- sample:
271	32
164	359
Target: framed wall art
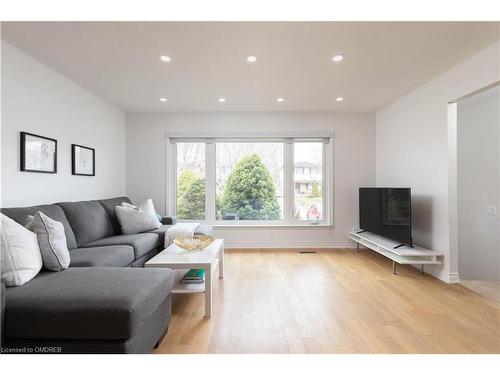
82	160
38	153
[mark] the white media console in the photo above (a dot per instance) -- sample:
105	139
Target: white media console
392	250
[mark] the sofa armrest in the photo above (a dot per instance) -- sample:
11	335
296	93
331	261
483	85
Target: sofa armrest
2	302
168	220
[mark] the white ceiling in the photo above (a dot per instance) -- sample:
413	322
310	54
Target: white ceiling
119	61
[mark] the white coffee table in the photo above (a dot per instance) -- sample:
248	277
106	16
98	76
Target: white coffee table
181	260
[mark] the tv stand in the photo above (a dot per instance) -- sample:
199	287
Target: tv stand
398	253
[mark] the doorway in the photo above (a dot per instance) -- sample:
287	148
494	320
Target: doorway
478	191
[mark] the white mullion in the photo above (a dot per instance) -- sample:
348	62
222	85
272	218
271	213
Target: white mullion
328	160
171	178
288	183
325	183
210	182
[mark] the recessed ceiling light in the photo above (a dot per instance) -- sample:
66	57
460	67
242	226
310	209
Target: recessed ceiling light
164	58
252	59
280	99
222	100
337	58
340	99
163	100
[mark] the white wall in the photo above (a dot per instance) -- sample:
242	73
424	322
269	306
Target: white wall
478	157
354	166
412	149
38	100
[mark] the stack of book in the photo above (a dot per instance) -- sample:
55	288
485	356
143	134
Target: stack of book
194	277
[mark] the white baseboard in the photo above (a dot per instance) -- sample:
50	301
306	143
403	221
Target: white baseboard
448	278
454	278
435	270
228	244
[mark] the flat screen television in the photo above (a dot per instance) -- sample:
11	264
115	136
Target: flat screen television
386	212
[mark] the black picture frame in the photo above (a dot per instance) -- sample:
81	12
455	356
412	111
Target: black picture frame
74	166
24	162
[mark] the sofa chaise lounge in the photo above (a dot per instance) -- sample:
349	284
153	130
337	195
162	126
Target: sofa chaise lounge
105	302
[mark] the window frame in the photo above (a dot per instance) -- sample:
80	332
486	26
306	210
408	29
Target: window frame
288	181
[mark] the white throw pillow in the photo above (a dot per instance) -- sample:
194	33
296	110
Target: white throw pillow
137	219
21	258
52	241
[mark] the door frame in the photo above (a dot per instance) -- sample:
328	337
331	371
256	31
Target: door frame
452	119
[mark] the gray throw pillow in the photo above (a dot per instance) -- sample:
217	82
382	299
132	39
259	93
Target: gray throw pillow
51	240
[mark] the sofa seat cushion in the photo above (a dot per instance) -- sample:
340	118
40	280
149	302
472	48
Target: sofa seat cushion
142	243
20	214
85	303
103	256
202	229
88	219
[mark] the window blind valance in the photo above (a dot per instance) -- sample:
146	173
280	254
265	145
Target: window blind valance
220	137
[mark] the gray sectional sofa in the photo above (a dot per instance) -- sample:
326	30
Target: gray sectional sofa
105	302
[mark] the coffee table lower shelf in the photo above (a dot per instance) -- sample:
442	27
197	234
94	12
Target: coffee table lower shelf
181	288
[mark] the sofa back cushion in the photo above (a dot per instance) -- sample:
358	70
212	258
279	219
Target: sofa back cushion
88	220
109	206
20	214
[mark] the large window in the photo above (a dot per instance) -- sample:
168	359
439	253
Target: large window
251	182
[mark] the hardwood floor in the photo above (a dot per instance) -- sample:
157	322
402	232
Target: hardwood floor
487	289
334	301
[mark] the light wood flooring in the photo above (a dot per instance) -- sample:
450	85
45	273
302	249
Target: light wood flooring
487	289
334	301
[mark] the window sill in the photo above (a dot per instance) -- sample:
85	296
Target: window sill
271	226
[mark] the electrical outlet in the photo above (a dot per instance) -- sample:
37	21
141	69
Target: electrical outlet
492	210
